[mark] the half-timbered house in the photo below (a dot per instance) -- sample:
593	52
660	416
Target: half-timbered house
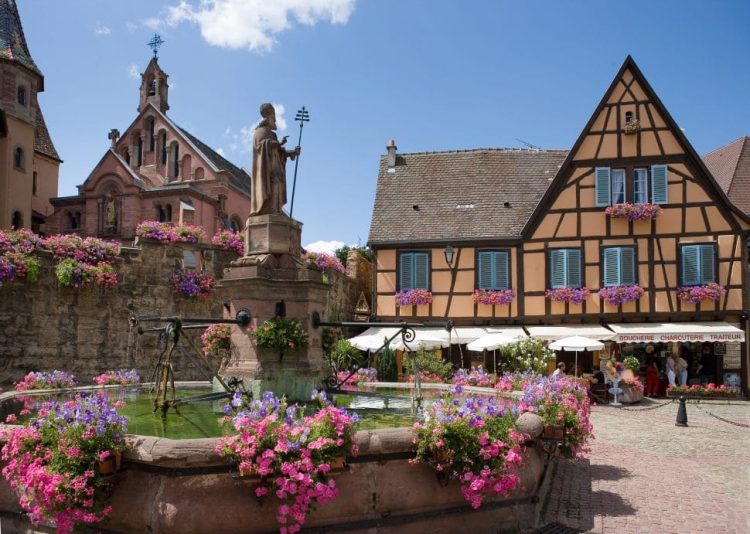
626	237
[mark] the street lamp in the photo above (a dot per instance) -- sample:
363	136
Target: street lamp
448	253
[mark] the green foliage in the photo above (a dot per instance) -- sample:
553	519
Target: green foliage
343	252
529	354
281	335
344	356
387	371
71	273
428	364
632	363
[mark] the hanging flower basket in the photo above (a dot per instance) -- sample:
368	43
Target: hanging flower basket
572	295
490	297
632	127
697	294
634	212
413	297
617	295
281	335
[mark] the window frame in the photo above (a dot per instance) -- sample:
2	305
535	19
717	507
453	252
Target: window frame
19	159
680	279
581	268
508	268
602	273
399	254
646	184
21	90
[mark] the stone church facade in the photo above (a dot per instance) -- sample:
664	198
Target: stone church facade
29	162
155	170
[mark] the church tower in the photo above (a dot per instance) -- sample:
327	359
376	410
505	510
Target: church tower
28	159
154	87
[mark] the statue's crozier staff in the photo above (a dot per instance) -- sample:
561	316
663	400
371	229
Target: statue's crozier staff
269	165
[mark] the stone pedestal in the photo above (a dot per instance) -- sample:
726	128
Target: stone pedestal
272	271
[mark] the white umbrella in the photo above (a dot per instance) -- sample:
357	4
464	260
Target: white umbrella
576	344
492	342
368	342
420	341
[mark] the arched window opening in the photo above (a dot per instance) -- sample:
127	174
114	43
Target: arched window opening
628	117
160	214
16	220
187	167
18	158
151	137
176	159
126	157
139	159
199	173
21	95
152	87
168	212
164	148
235	224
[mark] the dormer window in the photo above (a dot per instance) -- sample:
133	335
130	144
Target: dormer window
21	95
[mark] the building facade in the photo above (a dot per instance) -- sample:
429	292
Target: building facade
29	162
559	237
730	166
155	170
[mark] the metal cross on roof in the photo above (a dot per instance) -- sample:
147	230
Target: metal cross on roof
155	43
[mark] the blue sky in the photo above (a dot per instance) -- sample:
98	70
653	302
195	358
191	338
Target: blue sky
432	75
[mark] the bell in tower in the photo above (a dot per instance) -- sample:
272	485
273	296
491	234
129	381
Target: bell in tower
154	86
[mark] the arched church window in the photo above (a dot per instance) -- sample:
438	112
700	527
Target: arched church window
151	138
164	148
176	159
199	173
139	160
235	224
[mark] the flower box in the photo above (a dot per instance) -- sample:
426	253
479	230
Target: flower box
632	127
634	212
111	464
697	294
491	297
572	295
709	391
617	295
413	297
554	432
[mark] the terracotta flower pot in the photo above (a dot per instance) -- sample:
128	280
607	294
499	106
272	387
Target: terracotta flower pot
111	465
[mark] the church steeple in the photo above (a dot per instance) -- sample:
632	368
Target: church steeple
154	87
13	47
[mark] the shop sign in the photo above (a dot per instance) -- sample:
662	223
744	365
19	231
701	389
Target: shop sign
666	338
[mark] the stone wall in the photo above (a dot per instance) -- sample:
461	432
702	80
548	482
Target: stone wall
44	326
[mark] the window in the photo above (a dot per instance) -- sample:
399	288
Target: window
414	270
151	138
16	220
34	183
163	148
492	270
139	153
618	266
21	95
189	260
565	267
18	158
618	186
640	186
152	87
628	117
698	264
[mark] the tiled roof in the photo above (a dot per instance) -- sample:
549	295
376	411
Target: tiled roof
12	41
471	194
730	166
237	176
42	141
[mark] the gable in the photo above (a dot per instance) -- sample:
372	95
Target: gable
111	165
651	139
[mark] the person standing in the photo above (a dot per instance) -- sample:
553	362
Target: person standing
681	370
671	368
652	378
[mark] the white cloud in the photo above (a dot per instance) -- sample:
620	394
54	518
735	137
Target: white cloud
131	26
133	71
324	246
253	24
101	29
153	23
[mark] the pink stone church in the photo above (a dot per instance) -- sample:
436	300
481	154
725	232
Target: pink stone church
154	170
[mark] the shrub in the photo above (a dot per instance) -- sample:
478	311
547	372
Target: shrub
215	339
387	370
344	356
529	354
632	363
429	364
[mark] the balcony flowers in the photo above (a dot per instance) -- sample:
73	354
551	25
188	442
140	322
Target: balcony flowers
572	295
46	380
280	335
632	126
634	212
476	376
560	401
52	461
617	295
291	453
216	340
228	240
121	377
413	297
170	233
490	297
192	283
699	390
472	440
323	261
697	294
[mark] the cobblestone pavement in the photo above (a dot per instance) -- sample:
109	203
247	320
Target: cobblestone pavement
645	474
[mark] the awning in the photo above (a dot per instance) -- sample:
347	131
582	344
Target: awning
458	335
553	333
666	332
186	206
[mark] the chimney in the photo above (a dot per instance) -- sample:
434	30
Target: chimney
391	156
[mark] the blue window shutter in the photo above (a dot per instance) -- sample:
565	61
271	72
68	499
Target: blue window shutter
707	264
602	186
406	271
627	266
659	185
611	267
502	278
574	268
484	270
557	268
690	265
421	271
